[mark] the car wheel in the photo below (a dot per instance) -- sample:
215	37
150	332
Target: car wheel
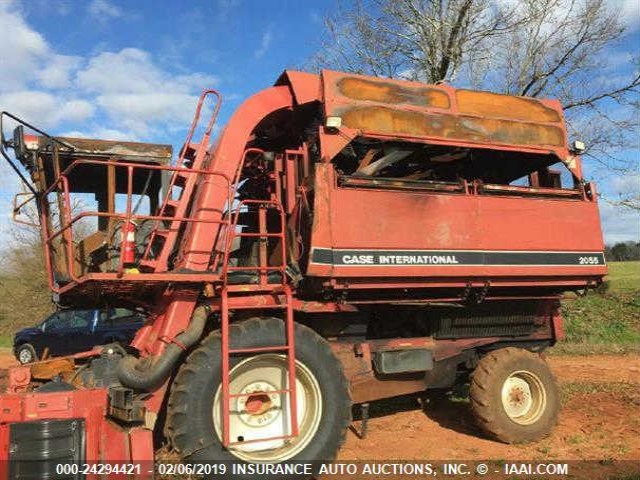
25	353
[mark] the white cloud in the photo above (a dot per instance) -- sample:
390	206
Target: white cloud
76	111
57	71
126	89
265	43
45	109
127	71
22	48
103	10
102	133
135	92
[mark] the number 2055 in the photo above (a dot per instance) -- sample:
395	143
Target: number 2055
588	260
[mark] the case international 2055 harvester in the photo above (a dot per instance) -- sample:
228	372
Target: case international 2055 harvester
345	239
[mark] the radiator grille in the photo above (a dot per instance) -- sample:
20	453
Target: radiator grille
488	323
37	447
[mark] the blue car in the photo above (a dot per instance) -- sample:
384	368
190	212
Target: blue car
71	331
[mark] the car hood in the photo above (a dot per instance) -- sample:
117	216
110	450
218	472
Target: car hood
28	332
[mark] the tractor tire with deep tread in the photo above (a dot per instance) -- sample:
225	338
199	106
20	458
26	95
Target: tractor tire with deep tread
514	396
190	424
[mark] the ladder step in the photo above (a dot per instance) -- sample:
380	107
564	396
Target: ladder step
278	348
171	207
148	264
181	179
189	151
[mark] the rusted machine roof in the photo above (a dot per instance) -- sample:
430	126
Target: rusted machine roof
137	151
435	113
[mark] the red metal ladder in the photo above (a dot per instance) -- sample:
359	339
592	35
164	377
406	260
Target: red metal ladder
176	209
281	289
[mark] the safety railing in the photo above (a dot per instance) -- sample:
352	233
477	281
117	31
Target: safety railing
67	219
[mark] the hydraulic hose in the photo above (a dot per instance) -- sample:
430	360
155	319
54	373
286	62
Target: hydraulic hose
149	373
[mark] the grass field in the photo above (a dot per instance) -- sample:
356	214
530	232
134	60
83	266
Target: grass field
607	321
624	276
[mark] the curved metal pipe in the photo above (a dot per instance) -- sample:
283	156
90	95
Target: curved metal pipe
148	373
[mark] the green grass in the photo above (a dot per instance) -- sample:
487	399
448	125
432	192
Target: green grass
624	276
625	391
607	321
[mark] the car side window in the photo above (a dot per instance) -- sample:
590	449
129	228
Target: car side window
80	318
57	321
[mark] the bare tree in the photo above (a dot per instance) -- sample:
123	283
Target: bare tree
414	39
564	49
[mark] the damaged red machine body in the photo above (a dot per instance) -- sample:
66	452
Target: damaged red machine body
423	218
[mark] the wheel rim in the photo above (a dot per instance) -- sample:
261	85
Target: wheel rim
265	415
25	356
524	398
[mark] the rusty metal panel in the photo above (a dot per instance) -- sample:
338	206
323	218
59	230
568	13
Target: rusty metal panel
123	150
375	90
440	113
396	122
493	105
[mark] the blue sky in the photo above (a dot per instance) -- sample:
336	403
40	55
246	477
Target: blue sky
133	70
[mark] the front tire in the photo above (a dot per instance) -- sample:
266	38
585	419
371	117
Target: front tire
25	353
514	397
324	405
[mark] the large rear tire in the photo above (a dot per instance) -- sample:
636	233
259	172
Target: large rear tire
514	397
324	405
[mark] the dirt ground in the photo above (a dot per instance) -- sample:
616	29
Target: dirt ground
600	420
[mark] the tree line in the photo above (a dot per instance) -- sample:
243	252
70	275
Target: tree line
622	252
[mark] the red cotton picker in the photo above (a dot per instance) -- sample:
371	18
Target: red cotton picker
345	239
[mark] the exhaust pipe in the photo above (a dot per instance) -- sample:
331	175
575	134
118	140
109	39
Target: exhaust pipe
149	373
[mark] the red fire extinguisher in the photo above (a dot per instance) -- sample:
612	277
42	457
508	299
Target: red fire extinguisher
128	247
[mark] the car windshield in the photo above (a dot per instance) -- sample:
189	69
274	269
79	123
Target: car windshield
57	321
